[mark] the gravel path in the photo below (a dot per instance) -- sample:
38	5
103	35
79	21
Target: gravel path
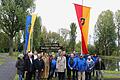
7	70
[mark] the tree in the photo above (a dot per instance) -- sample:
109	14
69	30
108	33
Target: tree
17	42
37	33
64	33
43	35
12	17
91	49
72	36
117	21
53	37
78	46
3	42
105	34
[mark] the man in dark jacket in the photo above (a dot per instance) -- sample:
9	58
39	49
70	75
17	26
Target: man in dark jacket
72	63
99	66
95	59
20	66
39	66
29	66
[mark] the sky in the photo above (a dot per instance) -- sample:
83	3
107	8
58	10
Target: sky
58	14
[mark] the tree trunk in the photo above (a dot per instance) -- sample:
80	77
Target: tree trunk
118	39
10	45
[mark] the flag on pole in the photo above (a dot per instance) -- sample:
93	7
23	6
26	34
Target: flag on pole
83	16
28	24
29	48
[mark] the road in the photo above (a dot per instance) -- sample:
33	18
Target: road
7	70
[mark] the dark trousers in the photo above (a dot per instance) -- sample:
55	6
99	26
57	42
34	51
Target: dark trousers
93	72
69	74
29	75
37	75
87	75
61	75
74	72
51	73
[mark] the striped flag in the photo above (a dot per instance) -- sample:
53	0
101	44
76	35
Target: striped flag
83	16
30	43
30	20
28	24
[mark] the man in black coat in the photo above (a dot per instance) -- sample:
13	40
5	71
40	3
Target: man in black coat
99	66
20	66
39	66
29	66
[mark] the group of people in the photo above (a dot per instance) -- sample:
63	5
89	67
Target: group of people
74	66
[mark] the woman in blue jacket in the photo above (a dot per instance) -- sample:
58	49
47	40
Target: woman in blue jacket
72	63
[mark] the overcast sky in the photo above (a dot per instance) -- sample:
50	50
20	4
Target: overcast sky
58	14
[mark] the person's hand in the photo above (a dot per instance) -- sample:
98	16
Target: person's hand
36	70
90	68
42	70
25	72
71	68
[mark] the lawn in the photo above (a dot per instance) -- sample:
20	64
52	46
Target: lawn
15	55
111	77
2	60
111	74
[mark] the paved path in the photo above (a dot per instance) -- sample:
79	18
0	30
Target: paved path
7	70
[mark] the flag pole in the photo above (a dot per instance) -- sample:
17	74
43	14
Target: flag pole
81	32
82	2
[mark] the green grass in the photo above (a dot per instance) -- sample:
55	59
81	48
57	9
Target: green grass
2	61
15	55
112	72
111	77
16	77
111	57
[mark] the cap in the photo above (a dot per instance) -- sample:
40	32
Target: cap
81	55
89	57
20	55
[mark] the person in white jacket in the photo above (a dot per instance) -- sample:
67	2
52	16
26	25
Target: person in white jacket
61	66
90	66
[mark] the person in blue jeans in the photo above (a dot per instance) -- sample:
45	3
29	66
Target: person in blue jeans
52	67
72	63
20	67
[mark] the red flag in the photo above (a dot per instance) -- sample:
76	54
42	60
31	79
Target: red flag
83	14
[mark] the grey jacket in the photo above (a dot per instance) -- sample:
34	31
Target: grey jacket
61	64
